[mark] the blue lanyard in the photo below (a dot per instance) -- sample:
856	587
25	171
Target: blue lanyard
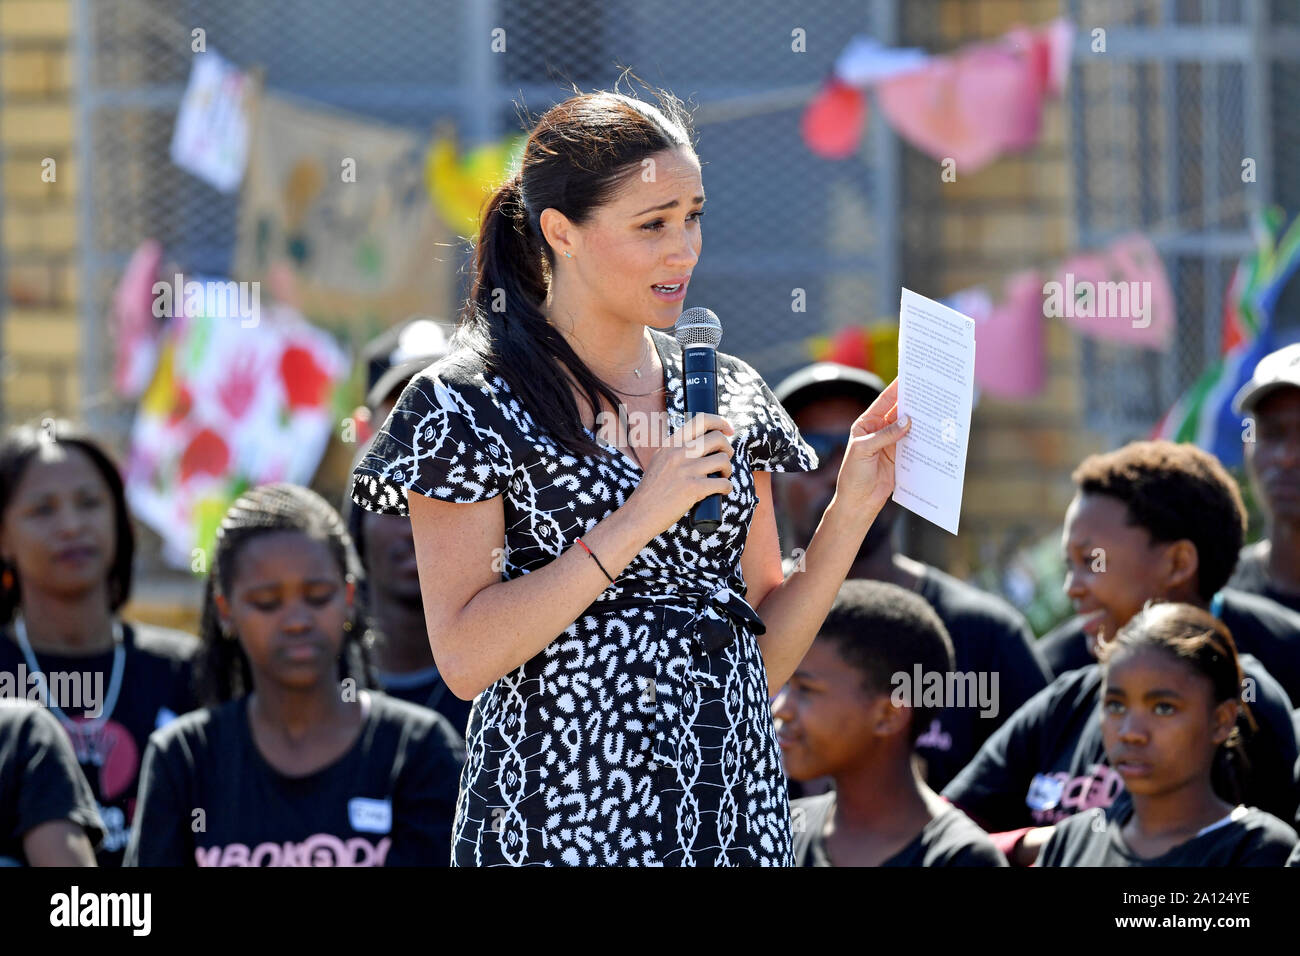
1216	605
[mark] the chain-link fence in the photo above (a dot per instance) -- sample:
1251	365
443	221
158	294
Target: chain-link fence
1167	103
414	63
1158	127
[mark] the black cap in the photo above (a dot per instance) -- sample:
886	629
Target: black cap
824	380
400	352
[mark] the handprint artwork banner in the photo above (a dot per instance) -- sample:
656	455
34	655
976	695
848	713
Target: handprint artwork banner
229	407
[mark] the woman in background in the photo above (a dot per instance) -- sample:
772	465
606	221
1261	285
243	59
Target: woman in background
66	548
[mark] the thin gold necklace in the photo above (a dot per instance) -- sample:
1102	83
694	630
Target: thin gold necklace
655	390
637	370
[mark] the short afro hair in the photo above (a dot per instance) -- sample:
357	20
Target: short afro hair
1175	491
881	630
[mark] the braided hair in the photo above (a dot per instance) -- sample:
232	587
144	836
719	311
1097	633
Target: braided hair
354	520
1202	641
223	671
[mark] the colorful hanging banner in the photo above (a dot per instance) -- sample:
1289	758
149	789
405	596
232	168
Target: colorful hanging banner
231	405
459	185
212	125
341	201
1010	338
136	328
970	107
1204	414
1119	294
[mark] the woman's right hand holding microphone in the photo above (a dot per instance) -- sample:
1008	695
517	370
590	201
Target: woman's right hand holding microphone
681	472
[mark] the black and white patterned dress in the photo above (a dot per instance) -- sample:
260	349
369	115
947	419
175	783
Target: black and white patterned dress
642	735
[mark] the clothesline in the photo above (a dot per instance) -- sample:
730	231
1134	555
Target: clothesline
1159	231
755	104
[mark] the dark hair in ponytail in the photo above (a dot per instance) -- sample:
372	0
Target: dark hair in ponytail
21	446
222	670
576	156
1203	642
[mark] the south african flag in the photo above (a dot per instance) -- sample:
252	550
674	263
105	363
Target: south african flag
1204	414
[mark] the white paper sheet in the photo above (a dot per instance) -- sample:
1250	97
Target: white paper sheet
936	383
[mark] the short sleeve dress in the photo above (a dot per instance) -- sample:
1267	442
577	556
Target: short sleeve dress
642	735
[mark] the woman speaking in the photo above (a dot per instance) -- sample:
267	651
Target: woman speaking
620	660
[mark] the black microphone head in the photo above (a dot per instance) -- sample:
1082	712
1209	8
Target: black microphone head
698	328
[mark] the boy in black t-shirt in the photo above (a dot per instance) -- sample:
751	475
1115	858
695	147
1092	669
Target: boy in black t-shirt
852	711
47	812
1159	520
1171	708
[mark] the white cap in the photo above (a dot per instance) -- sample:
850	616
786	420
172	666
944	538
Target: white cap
1280	369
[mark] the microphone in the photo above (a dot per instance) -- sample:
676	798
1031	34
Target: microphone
698	332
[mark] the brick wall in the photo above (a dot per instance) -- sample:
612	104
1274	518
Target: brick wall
41	334
1011	215
41	341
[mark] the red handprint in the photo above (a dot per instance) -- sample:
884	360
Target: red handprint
207	453
305	382
236	393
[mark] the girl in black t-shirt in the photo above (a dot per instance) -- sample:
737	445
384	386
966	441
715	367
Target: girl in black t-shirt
1171	707
66	549
296	762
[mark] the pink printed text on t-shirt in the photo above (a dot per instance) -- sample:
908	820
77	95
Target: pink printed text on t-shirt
321	849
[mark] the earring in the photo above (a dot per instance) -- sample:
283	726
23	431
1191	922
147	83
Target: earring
568	254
